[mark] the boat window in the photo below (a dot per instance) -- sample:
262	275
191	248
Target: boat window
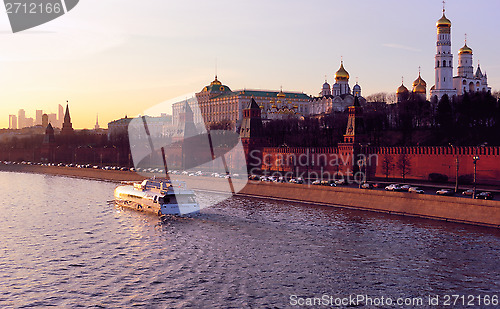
188	199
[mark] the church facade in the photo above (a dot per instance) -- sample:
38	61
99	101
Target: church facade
338	97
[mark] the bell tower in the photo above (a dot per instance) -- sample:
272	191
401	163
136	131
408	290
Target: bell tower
443	65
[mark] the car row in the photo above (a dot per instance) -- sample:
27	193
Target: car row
404	188
483	195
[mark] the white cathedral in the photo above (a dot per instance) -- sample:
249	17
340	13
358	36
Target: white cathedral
338	97
466	80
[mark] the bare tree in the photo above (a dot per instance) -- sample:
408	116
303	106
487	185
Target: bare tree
404	164
392	98
496	94
380	97
386	165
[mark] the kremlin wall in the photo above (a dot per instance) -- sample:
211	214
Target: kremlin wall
328	163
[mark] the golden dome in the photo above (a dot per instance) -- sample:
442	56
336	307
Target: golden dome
443	22
215	82
342	74
420	89
418	81
465	50
281	94
402	89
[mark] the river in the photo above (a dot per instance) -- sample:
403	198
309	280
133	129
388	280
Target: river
62	244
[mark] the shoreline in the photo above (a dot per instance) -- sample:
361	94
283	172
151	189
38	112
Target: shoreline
444	208
82	173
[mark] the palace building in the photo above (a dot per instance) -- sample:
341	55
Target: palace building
217	103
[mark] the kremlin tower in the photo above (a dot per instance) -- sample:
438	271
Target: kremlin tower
67	127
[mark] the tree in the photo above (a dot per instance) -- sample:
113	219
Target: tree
380	97
386	165
392	98
496	94
444	116
404	164
224	124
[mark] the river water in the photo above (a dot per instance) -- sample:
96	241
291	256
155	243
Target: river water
62	244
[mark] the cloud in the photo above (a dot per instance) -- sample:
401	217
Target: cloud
399	46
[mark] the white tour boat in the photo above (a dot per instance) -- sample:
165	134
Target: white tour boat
159	196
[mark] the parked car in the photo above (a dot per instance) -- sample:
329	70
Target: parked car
446	192
316	183
393	187
296	180
485	196
367	185
405	187
469	192
327	182
340	182
416	190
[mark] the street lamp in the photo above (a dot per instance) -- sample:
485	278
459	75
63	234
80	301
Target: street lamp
361	164
475	159
457	167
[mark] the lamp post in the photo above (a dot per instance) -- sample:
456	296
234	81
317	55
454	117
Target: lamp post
361	164
456	172
475	159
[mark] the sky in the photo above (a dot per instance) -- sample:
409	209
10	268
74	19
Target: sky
122	57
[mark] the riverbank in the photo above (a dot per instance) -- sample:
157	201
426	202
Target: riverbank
87	173
446	208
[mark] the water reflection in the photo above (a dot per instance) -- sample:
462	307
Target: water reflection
62	244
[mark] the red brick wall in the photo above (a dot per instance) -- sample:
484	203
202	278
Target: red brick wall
422	161
442	160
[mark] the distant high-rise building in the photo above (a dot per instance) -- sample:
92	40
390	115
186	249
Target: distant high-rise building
28	122
21	115
12	122
38	117
45	120
67	127
60	116
97	123
53	120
